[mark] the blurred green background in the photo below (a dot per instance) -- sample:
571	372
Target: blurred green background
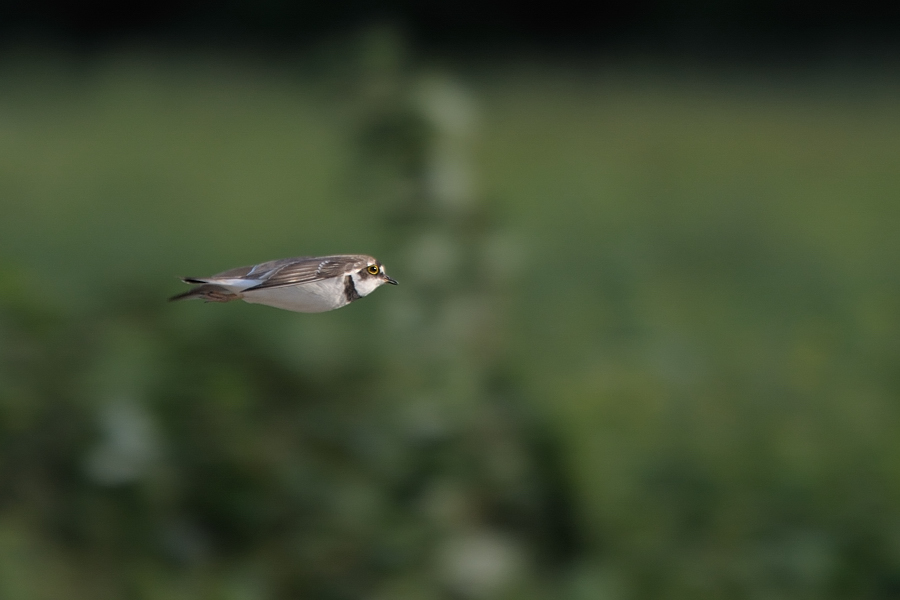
644	346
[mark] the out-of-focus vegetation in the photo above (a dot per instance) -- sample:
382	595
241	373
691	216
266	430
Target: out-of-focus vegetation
644	345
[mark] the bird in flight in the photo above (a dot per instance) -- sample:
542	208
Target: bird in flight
308	284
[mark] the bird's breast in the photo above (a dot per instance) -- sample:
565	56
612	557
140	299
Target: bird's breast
312	297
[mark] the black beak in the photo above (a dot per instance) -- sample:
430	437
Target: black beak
390	280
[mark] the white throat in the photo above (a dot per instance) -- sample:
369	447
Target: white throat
366	285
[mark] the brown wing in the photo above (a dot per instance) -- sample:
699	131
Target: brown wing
304	269
259	271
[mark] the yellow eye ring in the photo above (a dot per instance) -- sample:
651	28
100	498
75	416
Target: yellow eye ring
372	269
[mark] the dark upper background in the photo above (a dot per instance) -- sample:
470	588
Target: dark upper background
739	28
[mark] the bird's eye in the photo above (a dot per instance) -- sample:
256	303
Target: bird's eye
372	269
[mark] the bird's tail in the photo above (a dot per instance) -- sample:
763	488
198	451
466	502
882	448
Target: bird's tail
207	292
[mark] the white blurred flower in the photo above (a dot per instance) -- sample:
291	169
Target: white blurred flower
451	109
448	105
129	447
480	564
425	419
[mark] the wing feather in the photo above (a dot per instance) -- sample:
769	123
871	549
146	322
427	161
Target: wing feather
258	271
304	269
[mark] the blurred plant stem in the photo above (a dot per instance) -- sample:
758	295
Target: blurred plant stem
419	132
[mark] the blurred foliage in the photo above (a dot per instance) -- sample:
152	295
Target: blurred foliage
644	343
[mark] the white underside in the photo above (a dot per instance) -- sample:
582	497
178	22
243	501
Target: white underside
313	297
